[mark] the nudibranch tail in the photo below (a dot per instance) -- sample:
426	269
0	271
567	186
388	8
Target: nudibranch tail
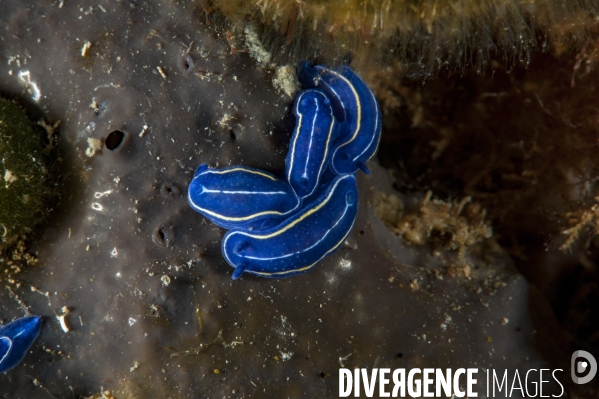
16	338
300	241
238	271
311	143
239	196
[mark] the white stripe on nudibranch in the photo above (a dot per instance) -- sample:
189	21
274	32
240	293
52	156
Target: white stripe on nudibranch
311	246
222	172
376	127
238	219
312	133
9	348
298	220
294	162
210	191
305	268
358	105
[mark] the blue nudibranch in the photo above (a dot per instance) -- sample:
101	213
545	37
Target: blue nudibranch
16	338
357	110
302	240
310	147
238	196
281	228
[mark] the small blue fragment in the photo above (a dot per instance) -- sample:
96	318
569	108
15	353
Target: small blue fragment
16	338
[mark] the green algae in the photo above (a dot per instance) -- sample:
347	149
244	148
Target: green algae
27	160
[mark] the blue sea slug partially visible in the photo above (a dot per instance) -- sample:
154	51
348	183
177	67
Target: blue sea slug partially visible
16	338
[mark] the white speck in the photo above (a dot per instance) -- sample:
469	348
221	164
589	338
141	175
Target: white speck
30	85
85	47
62	320
166	280
9	178
135	366
97	207
132	321
114	253
345	263
101	194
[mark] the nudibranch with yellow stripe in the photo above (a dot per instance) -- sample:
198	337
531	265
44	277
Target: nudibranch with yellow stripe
281	228
310	148
300	241
239	196
356	109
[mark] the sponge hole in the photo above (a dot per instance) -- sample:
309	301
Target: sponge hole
169	190
164	236
114	140
186	63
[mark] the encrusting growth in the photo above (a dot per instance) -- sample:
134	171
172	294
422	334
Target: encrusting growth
27	162
454	226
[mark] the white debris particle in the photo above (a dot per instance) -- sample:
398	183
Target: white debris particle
286	356
446	322
414	285
285	80
62	318
9	178
85	47
255	48
93	146
166	280
132	321
135	366
345	263
100	194
504	321
225	120
161	72
31	86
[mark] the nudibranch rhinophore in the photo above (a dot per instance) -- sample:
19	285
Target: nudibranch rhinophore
281	228
300	241
356	109
238	196
16	338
